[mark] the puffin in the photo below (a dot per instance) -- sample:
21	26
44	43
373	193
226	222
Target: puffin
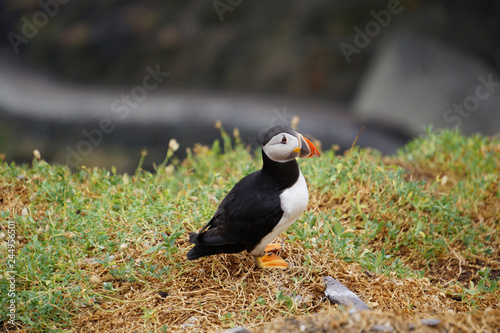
261	205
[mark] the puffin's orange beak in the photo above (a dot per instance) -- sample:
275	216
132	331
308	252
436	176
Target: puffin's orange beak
308	149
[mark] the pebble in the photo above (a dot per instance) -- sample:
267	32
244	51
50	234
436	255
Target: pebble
382	328
431	322
239	329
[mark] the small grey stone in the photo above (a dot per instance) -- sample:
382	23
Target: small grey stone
431	322
238	329
337	293
411	326
382	328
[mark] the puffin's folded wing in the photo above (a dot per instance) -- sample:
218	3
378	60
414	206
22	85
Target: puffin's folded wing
210	237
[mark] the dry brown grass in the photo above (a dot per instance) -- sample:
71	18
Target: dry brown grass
200	294
196	299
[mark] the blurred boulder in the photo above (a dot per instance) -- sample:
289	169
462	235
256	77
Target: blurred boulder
415	81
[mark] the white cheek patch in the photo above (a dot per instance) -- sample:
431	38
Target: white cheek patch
276	153
280	152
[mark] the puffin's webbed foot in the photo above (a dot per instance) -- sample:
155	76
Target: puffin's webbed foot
271	260
272	247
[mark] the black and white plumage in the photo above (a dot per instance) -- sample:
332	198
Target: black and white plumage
261	205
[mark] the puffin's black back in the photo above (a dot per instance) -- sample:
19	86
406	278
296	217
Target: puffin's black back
249	211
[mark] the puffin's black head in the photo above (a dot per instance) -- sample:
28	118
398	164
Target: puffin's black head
283	144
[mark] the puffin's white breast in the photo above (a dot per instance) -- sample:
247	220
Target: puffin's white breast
293	202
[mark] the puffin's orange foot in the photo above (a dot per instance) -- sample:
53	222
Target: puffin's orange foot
272	247
271	260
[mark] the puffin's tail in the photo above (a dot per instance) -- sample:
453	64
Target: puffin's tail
202	250
199	251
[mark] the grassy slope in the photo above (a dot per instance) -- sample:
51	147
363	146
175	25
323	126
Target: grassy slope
416	233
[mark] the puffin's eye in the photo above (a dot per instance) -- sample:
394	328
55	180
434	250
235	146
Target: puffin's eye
283	140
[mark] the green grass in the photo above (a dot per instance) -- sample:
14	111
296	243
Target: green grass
365	209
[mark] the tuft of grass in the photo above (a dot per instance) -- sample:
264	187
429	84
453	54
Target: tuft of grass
97	244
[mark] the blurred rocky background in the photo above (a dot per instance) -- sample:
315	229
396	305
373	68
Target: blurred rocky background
96	81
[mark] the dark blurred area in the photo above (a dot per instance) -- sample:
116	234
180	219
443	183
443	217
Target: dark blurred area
94	82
